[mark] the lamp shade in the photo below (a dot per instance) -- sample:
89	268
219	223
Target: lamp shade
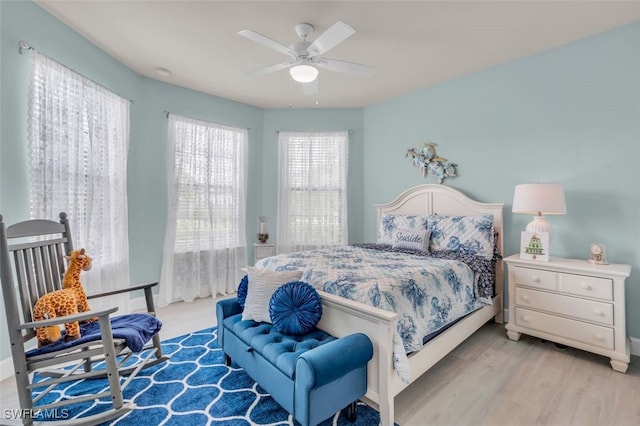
539	199
303	73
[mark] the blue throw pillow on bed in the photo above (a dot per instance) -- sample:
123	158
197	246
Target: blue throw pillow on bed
463	234
243	288
295	308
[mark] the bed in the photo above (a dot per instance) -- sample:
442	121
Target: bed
389	373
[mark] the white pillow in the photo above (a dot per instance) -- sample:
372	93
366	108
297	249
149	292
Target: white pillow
415	239
262	284
390	223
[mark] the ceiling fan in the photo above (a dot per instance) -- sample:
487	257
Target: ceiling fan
306	56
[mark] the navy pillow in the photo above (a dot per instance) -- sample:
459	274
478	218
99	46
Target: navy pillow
243	287
295	308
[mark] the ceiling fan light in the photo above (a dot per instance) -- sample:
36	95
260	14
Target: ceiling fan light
303	73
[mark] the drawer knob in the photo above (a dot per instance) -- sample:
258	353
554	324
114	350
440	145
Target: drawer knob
525	318
598	312
525	298
599	336
585	286
535	279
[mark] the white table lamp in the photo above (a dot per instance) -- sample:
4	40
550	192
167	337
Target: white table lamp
539	199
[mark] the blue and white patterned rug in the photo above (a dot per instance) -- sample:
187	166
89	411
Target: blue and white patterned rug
195	388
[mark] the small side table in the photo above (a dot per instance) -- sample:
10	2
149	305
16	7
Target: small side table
262	250
571	302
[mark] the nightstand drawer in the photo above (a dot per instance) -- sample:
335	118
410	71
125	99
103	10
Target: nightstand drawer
582	285
589	310
591	334
535	278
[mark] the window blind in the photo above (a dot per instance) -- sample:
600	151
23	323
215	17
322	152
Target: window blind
312	209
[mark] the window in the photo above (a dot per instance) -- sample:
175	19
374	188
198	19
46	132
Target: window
312	208
205	244
209	168
78	143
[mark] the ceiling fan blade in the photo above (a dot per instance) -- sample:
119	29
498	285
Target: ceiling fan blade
345	67
310	88
329	39
266	41
271	68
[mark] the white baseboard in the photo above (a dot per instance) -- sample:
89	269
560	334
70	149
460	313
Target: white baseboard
139	303
635	346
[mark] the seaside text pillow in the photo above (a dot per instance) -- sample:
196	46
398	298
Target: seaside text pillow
261	285
390	223
295	308
464	234
415	239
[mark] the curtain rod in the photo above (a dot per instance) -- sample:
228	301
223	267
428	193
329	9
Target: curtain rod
166	113
23	46
314	131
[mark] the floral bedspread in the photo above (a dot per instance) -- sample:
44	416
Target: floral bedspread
426	293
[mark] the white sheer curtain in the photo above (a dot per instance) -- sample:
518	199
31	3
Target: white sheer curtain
312	190
205	240
78	143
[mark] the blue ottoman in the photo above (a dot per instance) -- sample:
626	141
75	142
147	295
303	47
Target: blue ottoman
312	376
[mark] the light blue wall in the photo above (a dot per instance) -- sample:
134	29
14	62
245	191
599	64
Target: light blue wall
569	115
147	172
23	20
314	120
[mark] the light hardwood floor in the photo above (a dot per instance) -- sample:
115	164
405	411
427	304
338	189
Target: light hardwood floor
488	380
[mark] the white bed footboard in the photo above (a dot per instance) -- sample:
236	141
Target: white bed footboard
341	316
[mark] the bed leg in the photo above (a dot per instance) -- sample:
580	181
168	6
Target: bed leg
227	360
386	412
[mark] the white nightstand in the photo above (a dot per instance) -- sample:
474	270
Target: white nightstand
262	250
571	302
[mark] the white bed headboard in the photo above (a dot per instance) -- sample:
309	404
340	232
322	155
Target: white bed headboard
443	200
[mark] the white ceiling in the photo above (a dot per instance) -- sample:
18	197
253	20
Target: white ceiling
411	45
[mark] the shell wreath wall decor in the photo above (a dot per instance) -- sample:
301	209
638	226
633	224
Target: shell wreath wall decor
430	163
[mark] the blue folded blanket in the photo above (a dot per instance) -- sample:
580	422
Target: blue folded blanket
136	329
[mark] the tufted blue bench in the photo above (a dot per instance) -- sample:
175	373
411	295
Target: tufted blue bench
312	376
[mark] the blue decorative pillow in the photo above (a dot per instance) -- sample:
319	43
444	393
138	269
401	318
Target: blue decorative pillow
243	288
463	234
295	308
262	284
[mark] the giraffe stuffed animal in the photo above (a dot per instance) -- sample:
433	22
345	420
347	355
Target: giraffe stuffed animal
71	299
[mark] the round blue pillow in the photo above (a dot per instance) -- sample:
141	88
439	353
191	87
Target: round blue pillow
243	287
295	308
